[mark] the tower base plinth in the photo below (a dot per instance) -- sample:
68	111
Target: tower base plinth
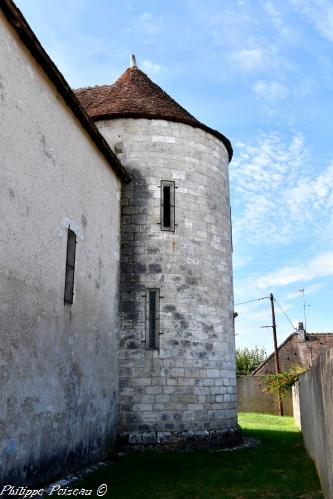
180	441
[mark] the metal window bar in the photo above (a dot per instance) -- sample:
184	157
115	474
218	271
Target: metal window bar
152	319
167	205
70	267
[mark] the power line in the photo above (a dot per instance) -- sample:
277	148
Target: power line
251	301
286	316
264	298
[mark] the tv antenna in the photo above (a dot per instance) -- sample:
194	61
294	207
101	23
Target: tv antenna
302	291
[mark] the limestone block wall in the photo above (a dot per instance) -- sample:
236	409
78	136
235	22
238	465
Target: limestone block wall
58	364
189	383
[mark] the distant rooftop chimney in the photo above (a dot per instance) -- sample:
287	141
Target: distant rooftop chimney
133	61
301	331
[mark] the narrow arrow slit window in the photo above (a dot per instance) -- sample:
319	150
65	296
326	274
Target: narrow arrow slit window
70	267
152	319
167	205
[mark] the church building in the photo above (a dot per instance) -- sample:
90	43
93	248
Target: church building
115	268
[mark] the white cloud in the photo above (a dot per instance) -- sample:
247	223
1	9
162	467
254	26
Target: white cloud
151	24
228	25
240	261
320	13
279	192
304	87
278	22
248	59
259	173
258	58
270	90
311	199
319	266
309	290
151	68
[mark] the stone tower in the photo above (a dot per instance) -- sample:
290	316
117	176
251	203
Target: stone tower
176	349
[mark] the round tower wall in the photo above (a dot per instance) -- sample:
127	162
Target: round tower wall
186	386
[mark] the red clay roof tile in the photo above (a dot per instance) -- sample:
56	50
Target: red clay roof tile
134	95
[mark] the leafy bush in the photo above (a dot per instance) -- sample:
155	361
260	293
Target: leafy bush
280	383
247	360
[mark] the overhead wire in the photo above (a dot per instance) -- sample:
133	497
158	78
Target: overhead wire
251	301
264	298
286	316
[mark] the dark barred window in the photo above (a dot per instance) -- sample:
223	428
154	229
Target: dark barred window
167	205
70	267
152	318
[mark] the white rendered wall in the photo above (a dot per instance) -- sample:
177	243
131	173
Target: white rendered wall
190	383
58	365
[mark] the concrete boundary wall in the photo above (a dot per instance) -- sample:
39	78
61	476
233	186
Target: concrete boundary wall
251	398
316	407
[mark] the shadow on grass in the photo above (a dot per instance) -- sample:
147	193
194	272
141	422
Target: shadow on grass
278	467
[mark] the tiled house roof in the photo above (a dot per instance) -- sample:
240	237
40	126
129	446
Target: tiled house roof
134	95
296	351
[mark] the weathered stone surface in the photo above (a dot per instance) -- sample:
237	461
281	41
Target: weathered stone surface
192	268
183	440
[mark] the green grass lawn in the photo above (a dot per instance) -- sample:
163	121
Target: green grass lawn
278	467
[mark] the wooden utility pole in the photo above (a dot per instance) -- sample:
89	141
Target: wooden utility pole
276	352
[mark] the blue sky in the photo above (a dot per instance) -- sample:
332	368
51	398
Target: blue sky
261	72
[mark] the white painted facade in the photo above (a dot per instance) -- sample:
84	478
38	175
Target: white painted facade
58	364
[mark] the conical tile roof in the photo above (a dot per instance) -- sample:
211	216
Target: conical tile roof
134	95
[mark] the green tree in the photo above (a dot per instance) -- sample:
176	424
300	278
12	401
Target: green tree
248	359
280	383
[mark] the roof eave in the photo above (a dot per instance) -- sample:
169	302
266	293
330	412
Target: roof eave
25	33
198	124
272	354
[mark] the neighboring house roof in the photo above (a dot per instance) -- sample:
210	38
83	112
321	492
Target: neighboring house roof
307	351
134	95
19	23
271	356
